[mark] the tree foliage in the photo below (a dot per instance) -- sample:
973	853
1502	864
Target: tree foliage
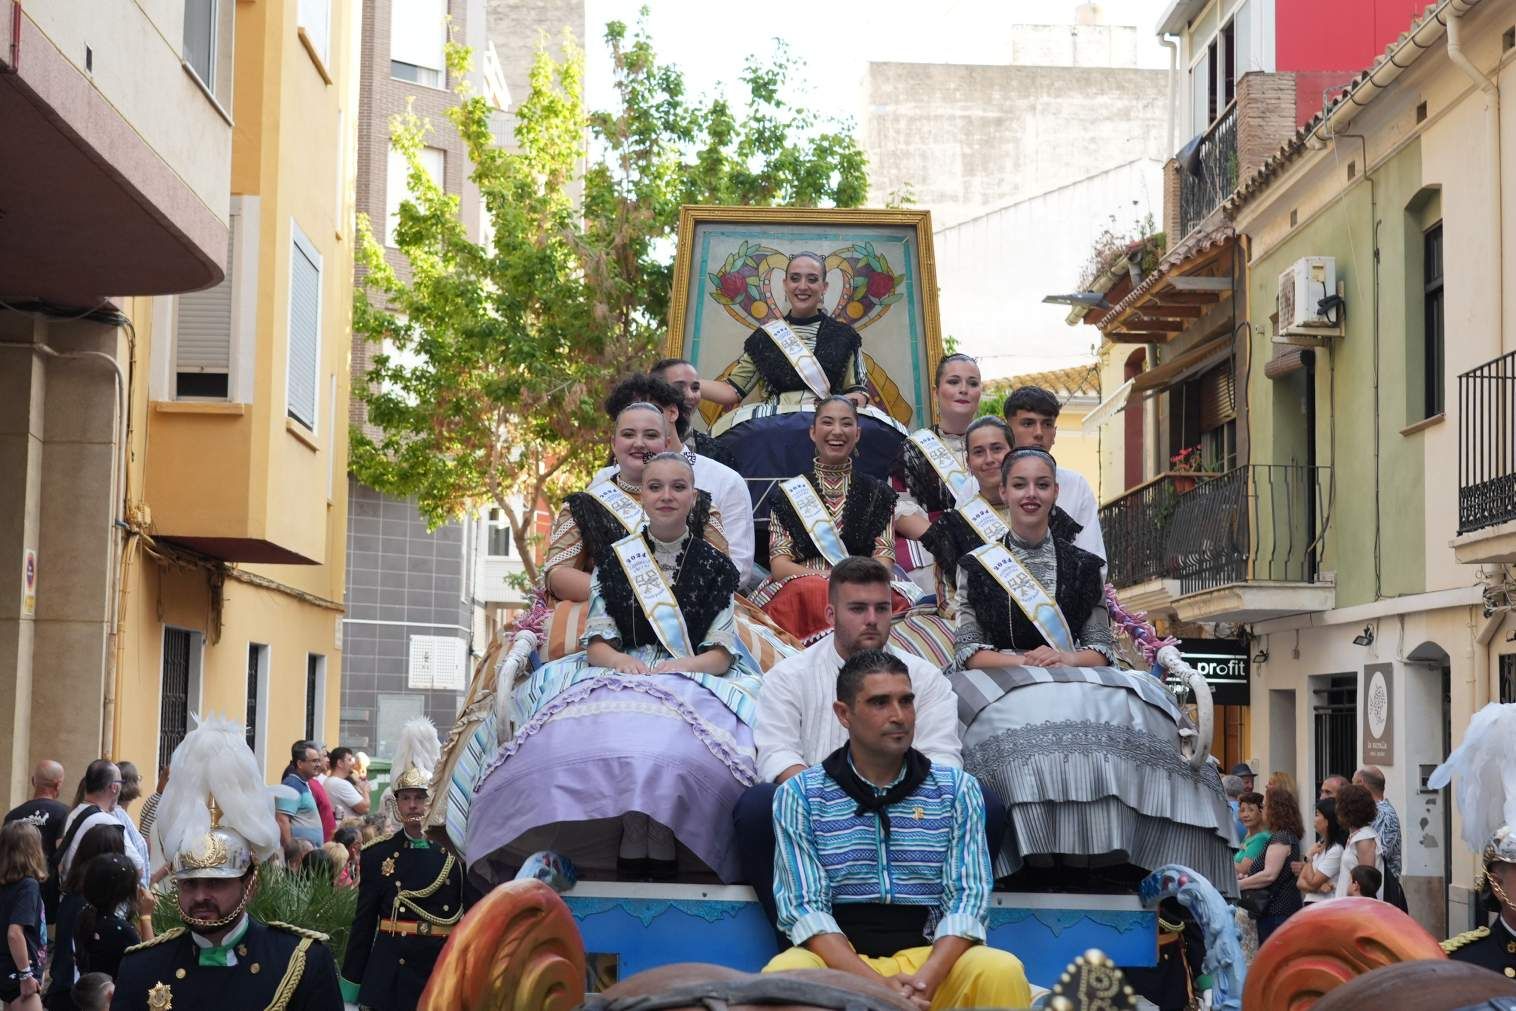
492	359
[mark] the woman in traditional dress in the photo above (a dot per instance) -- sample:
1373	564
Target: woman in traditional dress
630	756
1087	759
845	513
929	474
787	366
593	519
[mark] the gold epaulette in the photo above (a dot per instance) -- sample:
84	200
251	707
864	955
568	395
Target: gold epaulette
290	928
375	842
1452	944
167	935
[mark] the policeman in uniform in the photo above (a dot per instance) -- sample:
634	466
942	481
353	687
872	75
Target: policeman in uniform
215	822
1494	947
410	893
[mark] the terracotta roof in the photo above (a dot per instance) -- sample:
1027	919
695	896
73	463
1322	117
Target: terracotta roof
1198	243
1077	380
1292	149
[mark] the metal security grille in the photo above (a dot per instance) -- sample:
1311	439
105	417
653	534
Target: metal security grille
1336	725
254	662
1508	677
312	674
173	714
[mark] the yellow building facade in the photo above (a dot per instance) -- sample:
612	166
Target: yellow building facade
232	576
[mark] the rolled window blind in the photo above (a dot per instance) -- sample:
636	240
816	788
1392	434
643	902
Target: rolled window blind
304	332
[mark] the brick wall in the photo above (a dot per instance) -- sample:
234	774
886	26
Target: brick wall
1265	118
1171	223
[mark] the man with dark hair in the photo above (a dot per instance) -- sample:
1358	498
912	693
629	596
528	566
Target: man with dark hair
680	373
1386	821
877	813
729	495
795	726
1032	413
295	807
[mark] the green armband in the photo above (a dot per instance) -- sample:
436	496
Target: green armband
349	990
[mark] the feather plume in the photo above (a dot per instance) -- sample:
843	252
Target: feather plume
418	746
214	763
1485	765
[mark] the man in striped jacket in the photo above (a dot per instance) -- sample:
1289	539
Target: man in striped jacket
882	865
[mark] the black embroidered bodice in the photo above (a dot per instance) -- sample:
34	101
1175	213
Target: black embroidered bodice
1077	594
836	344
599	528
866	512
950	537
703	587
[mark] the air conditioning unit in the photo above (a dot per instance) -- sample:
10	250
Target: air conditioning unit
1310	281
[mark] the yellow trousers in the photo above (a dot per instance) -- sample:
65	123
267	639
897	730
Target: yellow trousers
982	976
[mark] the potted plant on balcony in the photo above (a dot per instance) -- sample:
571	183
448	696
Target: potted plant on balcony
1183	464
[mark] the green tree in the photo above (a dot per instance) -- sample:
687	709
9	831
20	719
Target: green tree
493	360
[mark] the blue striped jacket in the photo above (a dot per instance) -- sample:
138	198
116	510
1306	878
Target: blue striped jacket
827	854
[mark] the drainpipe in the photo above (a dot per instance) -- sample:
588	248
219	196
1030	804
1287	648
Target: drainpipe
1491	89
1172	45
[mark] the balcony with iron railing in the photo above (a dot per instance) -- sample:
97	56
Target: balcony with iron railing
1247	545
1487	462
1136	529
1208	171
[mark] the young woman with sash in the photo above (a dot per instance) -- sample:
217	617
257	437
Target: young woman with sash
608	510
787	366
821	517
930	474
644	739
1086	756
978	519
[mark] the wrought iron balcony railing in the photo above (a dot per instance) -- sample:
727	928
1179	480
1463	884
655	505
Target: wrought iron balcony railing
1487	444
1136	529
1209	175
1260	522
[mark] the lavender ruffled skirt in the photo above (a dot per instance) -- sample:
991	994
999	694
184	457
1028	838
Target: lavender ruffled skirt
660	744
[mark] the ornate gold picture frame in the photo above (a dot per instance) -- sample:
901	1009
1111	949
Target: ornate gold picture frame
881	278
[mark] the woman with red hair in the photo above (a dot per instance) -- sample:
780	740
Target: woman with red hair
1281	813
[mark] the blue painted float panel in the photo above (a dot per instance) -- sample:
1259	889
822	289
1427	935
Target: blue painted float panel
647	925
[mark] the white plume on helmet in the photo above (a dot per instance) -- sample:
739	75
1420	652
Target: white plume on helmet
418	753
214	765
1485	765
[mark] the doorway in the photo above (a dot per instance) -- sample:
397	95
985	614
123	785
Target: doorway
1335	726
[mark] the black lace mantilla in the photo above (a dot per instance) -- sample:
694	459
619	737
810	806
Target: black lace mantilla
599	529
866	512
711	449
703	588
920	477
950	537
1078	592
836	344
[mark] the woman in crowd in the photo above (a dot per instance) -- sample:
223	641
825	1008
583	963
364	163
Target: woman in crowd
348	791
1281	813
1088	762
1317	874
597	770
1355	813
977	520
1250	811
847	513
930	474
105	928
349	837
23	868
102	840
591	520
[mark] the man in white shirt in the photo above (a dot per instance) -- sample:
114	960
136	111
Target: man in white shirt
1032	413
102	788
729	494
796	725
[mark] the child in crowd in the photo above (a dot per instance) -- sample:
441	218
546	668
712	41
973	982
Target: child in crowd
93	992
1365	881
23	868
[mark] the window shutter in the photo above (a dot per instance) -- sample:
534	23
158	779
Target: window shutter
1217	397
418	30
203	327
304	332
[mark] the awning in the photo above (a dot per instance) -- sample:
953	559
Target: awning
1287	361
1107	408
1188	363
